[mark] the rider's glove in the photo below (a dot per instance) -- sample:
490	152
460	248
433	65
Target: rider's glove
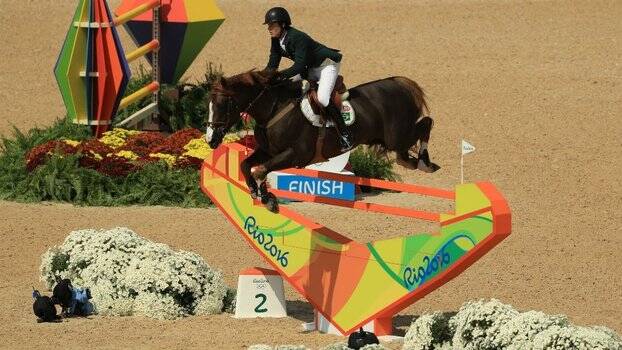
278	79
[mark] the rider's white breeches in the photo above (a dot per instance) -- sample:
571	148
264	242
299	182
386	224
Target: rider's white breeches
326	75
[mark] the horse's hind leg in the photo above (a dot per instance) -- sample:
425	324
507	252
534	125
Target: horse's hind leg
424	128
404	159
421	135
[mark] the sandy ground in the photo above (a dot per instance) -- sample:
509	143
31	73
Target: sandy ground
534	85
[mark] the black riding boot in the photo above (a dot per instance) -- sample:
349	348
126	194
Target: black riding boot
346	138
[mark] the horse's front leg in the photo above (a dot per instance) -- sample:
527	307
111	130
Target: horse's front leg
283	160
257	157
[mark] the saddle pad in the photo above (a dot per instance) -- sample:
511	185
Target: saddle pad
347	112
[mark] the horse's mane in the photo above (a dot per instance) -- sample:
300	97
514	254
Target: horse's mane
251	78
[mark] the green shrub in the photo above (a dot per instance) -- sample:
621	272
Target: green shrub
183	105
139	80
366	162
62	179
14	179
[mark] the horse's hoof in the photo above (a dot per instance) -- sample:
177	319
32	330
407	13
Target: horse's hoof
427	168
271	203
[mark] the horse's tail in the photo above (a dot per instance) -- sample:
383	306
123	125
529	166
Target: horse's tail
417	94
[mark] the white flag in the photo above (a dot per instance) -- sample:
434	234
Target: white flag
467	147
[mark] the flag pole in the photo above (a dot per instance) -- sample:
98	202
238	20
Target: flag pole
461	164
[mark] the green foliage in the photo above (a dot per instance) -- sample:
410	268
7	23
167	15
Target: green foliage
371	164
182	105
138	81
62	179
60	262
229	301
185	106
156	184
14	179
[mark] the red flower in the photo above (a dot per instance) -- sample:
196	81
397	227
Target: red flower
94	146
39	154
188	162
174	144
94	153
185	135
145	139
115	166
141	151
167	148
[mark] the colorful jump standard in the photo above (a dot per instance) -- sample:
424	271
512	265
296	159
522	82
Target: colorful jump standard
92	70
348	282
92	47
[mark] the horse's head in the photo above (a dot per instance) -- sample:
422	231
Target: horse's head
229	98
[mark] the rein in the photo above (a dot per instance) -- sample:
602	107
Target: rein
231	103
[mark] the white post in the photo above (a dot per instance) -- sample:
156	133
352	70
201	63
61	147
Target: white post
461	166
465	148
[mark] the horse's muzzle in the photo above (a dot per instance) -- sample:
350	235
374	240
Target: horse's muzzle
215	137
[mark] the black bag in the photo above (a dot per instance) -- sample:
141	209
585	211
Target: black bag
61	293
43	307
361	338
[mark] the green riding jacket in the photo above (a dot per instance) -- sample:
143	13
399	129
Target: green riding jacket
303	50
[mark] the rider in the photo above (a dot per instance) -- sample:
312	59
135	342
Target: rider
311	59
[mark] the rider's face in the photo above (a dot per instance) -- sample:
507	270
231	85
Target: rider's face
275	29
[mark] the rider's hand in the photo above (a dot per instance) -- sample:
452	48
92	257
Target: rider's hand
278	79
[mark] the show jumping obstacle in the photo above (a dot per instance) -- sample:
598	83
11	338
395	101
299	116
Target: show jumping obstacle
350	283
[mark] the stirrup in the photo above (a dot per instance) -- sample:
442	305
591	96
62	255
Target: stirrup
346	145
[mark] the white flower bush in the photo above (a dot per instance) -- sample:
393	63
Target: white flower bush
519	332
130	275
493	325
279	347
336	346
373	347
575	337
477	324
429	332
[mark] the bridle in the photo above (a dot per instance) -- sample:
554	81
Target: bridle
232	103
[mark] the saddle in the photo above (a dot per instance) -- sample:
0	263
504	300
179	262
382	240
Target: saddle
315	112
309	103
335	96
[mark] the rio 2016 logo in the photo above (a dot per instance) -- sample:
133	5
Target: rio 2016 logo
265	240
416	276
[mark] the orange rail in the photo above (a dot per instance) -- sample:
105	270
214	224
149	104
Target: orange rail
360	205
376	183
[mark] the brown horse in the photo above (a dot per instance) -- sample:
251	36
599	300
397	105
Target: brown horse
389	113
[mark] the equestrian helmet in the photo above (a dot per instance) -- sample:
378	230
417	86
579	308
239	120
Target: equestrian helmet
278	14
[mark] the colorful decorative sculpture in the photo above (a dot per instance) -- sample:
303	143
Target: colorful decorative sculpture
352	283
92	70
186	26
